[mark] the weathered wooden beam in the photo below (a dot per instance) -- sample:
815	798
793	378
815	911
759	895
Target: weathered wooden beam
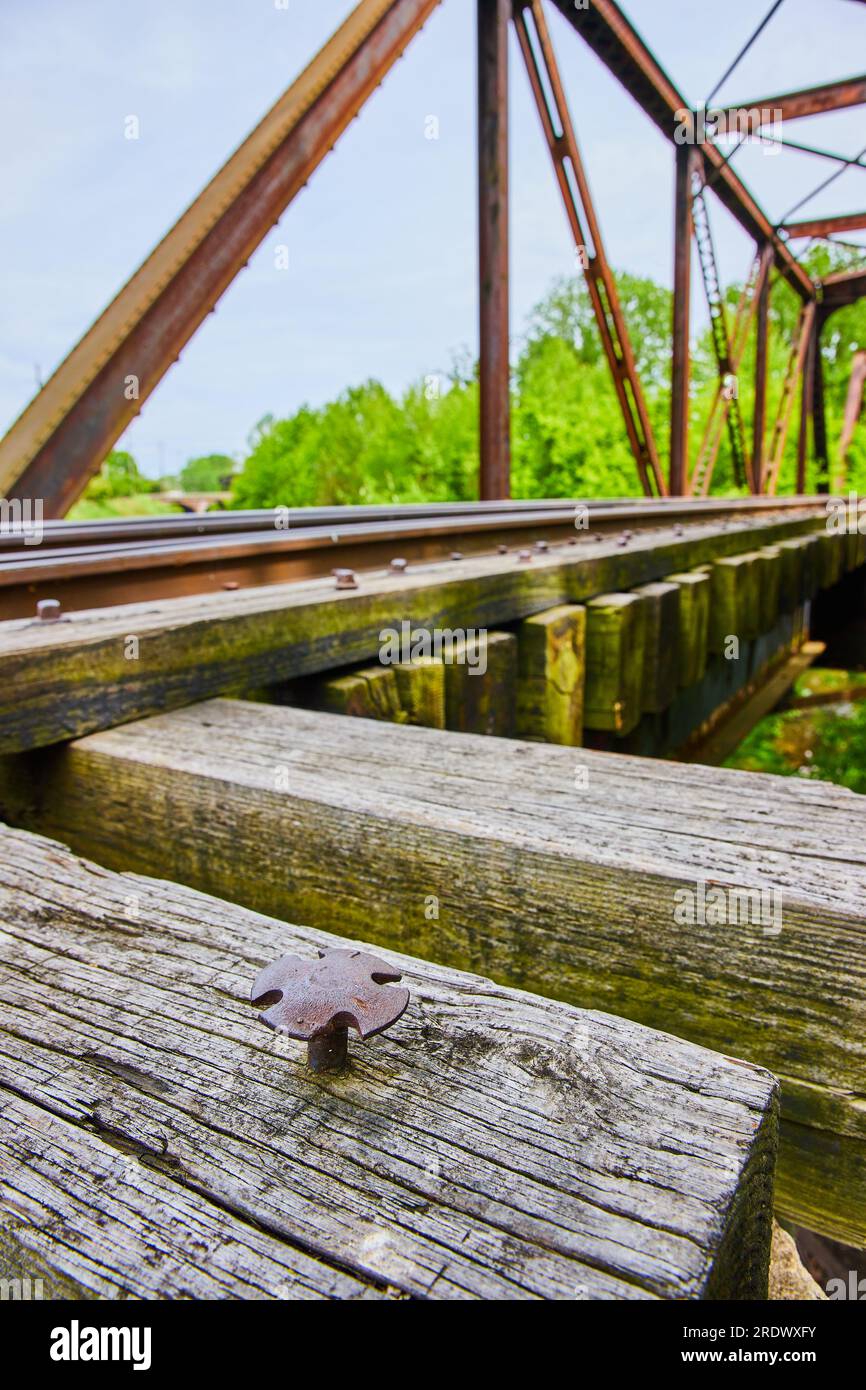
694	622
768	565
164	1143
421	687
481	684
95	669
371	693
489	855
615	640
551	671
732	599
661	637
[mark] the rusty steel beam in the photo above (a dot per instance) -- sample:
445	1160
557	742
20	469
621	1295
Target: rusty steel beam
842	289
612	38
759	417
826	226
811	101
819	421
793	375
547	88
806	404
853	410
493	17
679	419
63	435
699	483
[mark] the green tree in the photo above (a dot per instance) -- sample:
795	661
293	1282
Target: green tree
210	473
119	476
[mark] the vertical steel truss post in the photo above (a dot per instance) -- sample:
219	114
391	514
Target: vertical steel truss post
819	424
493	363
806	398
679	438
549	94
759	417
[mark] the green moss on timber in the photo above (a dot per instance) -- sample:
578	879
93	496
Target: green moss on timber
421	687
615	638
481	685
368	694
694	620
661	638
551	669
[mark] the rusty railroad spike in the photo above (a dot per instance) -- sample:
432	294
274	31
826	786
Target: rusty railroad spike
318	1001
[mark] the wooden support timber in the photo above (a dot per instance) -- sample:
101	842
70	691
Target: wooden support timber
491	1145
97	668
551	673
660	892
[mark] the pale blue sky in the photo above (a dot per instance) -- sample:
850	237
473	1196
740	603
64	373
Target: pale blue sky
382	242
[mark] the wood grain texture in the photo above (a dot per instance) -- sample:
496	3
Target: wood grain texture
551	672
158	1140
555	870
615	644
61	679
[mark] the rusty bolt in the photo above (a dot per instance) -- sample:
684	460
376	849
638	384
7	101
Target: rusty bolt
503	549
456	555
231	584
48	610
678	530
345	579
541	545
398	566
318	1001
524	556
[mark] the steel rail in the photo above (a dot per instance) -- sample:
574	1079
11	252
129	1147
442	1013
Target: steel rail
86	575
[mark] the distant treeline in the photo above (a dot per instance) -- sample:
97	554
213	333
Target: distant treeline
568	437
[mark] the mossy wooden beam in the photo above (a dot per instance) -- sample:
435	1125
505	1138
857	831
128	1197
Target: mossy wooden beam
96	669
551	671
831	558
615	639
490	1145
769	567
370	693
661	638
732	595
656	891
694	623
481	684
421	687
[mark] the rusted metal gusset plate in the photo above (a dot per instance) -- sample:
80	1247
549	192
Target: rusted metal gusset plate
61	438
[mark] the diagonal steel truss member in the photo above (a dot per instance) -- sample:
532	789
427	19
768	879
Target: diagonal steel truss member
59	441
699	482
718	321
793	373
544	78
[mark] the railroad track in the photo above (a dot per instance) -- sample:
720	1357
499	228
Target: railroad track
102	563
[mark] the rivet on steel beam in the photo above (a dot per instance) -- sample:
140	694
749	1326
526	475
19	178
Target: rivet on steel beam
48	610
398	566
318	1001
345	579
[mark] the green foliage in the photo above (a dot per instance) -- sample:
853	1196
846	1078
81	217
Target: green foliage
86	509
211	473
827	743
119	476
